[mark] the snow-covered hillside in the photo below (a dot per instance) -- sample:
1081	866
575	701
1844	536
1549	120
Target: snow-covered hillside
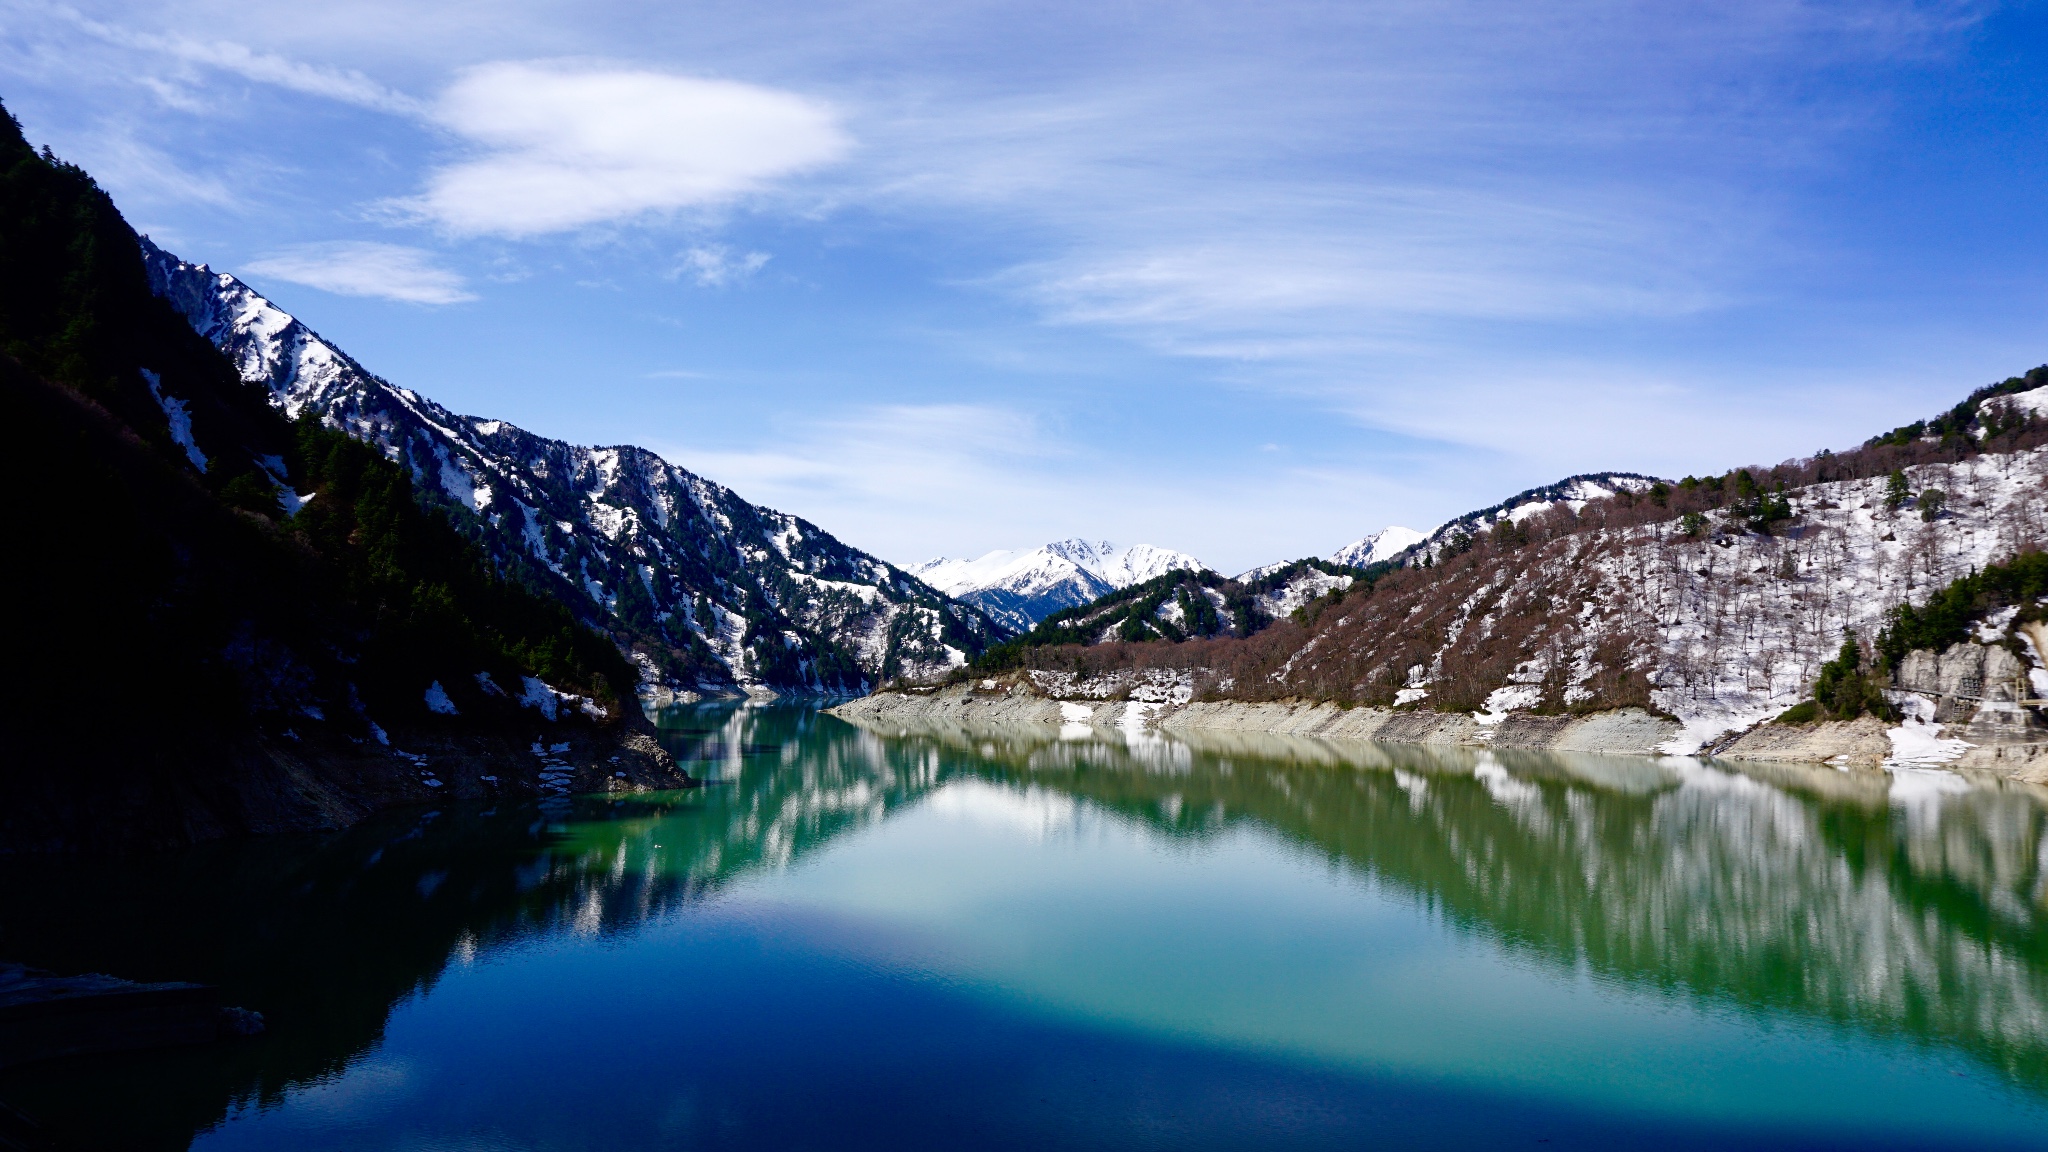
1018	588
712	593
1384	544
1725	628
1715	601
1720	628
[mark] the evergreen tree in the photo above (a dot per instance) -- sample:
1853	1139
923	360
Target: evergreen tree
1895	490
1844	691
1931	502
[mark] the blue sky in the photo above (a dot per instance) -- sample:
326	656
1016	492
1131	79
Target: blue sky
1246	280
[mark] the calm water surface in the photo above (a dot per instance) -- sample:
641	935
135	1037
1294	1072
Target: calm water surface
1026	938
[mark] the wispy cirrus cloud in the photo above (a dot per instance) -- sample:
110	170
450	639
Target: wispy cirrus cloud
345	85
859	472
365	268
1462	240
909	480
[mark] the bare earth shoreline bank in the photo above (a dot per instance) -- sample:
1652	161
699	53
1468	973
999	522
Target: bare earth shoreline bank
1859	744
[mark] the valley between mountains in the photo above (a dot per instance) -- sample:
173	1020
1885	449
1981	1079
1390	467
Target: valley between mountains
1705	609
353	596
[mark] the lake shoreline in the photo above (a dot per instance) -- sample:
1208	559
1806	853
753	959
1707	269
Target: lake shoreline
1859	744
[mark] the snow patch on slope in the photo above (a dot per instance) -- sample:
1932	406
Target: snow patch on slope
1384	544
180	416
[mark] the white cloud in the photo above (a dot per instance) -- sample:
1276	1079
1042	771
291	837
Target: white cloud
347	86
913	481
364	268
150	175
715	266
882	477
567	146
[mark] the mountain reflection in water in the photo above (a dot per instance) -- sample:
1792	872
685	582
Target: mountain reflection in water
1882	907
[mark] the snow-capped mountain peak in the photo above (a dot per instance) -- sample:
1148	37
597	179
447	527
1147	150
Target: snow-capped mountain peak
1384	544
1019	588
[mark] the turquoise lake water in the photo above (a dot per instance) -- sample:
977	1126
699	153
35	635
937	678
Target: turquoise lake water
1046	939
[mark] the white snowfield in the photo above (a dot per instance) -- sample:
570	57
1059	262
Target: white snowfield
736	587
1384	544
1046	567
1299	590
1021	587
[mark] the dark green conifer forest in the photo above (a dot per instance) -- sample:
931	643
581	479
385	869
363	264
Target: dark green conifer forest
159	597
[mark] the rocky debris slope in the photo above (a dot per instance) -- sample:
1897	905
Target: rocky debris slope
713	594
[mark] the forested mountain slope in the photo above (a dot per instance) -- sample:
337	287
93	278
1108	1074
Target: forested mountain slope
1182	605
709	592
191	658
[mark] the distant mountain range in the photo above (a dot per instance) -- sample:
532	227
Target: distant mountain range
1019	588
709	593
1185	604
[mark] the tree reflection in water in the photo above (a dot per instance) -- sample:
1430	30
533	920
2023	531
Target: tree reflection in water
1881	905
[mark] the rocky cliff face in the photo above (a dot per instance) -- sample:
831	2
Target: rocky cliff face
711	593
1967	681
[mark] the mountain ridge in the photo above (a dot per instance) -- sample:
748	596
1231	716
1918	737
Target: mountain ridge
1384	544
710	593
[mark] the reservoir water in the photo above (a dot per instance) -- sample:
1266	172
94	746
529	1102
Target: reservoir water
1076	939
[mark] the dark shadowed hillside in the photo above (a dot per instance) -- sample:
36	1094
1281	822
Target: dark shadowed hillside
223	623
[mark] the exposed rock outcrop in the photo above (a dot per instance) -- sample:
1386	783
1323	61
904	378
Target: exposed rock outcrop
1971	683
